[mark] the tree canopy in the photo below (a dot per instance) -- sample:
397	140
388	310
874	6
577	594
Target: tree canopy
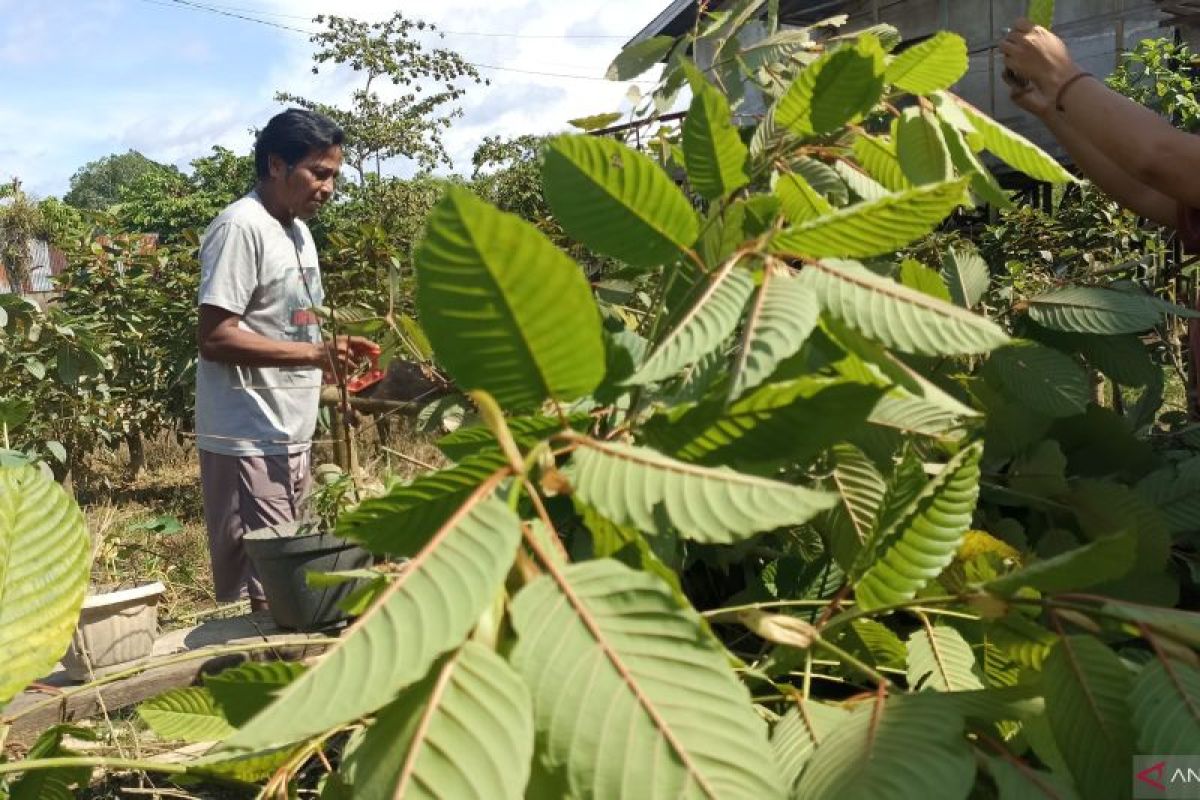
97	185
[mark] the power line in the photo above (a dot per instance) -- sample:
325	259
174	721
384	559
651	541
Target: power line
194	6
490	34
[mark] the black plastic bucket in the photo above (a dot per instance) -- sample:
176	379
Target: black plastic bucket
284	554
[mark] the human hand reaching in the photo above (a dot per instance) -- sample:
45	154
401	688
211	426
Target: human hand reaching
1037	55
340	356
1027	95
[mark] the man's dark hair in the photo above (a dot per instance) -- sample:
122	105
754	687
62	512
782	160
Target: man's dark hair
292	135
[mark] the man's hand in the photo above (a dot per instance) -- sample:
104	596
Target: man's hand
1035	54
339	357
1028	96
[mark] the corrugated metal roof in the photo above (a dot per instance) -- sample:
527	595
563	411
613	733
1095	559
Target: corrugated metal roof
45	263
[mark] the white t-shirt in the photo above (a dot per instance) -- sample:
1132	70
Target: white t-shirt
252	265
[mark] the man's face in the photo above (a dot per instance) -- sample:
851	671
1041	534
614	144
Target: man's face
309	184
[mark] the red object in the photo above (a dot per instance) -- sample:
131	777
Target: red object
360	382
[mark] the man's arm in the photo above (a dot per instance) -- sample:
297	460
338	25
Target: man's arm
221	340
1143	144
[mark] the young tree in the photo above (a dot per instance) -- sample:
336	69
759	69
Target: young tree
410	126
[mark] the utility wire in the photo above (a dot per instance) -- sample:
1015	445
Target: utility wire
188	4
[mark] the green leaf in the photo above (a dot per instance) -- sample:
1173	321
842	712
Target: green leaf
861	491
878	158
1015	150
1101	561
464	731
704	328
1123	358
185	715
1086	687
637	58
44	561
908	747
897	316
937	63
527	431
608	648
781	319
1165	706
967	276
839	87
927	535
728	228
822	177
800	201
916	275
874	227
1175	492
617	201
1042	472
983	184
506	310
792	421
242	691
60	783
1042	378
878	640
1092	309
427	611
1041	12
921	148
595	122
862	185
402	521
635	485
940	659
713	152
796	736
1016	780
1175	624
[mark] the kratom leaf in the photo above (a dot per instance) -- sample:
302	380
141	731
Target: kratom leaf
781	318
506	311
861	184
884	646
1086	687
635	485
728	228
1175	492
935	64
1123	358
709	322
464	731
823	178
1105	559
1041	12
1021	640
908	747
1040	377
637	58
1016	780
878	158
796	736
1015	150
595	122
940	659
967	276
616	200
895	315
185	715
526	431
927	535
402	521
713	152
425	612
800	201
861	490
916	275
1165	706
779	422
875	227
841	86
600	643
983	183
921	148
242	691
1175	624
1092	309
44	558
60	783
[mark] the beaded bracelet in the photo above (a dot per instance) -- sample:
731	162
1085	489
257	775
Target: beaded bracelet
1062	90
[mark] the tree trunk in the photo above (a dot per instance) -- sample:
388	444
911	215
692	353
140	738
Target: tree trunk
137	453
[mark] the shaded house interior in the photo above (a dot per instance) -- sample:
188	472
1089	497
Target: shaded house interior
1097	31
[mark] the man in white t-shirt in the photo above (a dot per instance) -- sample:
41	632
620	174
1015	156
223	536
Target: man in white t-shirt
262	356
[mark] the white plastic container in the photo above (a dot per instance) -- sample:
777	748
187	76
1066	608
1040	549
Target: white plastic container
115	630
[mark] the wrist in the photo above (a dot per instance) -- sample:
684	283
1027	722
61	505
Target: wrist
317	356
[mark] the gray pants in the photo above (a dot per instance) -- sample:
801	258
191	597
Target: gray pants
243	494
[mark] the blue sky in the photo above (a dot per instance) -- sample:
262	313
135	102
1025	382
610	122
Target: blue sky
85	78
